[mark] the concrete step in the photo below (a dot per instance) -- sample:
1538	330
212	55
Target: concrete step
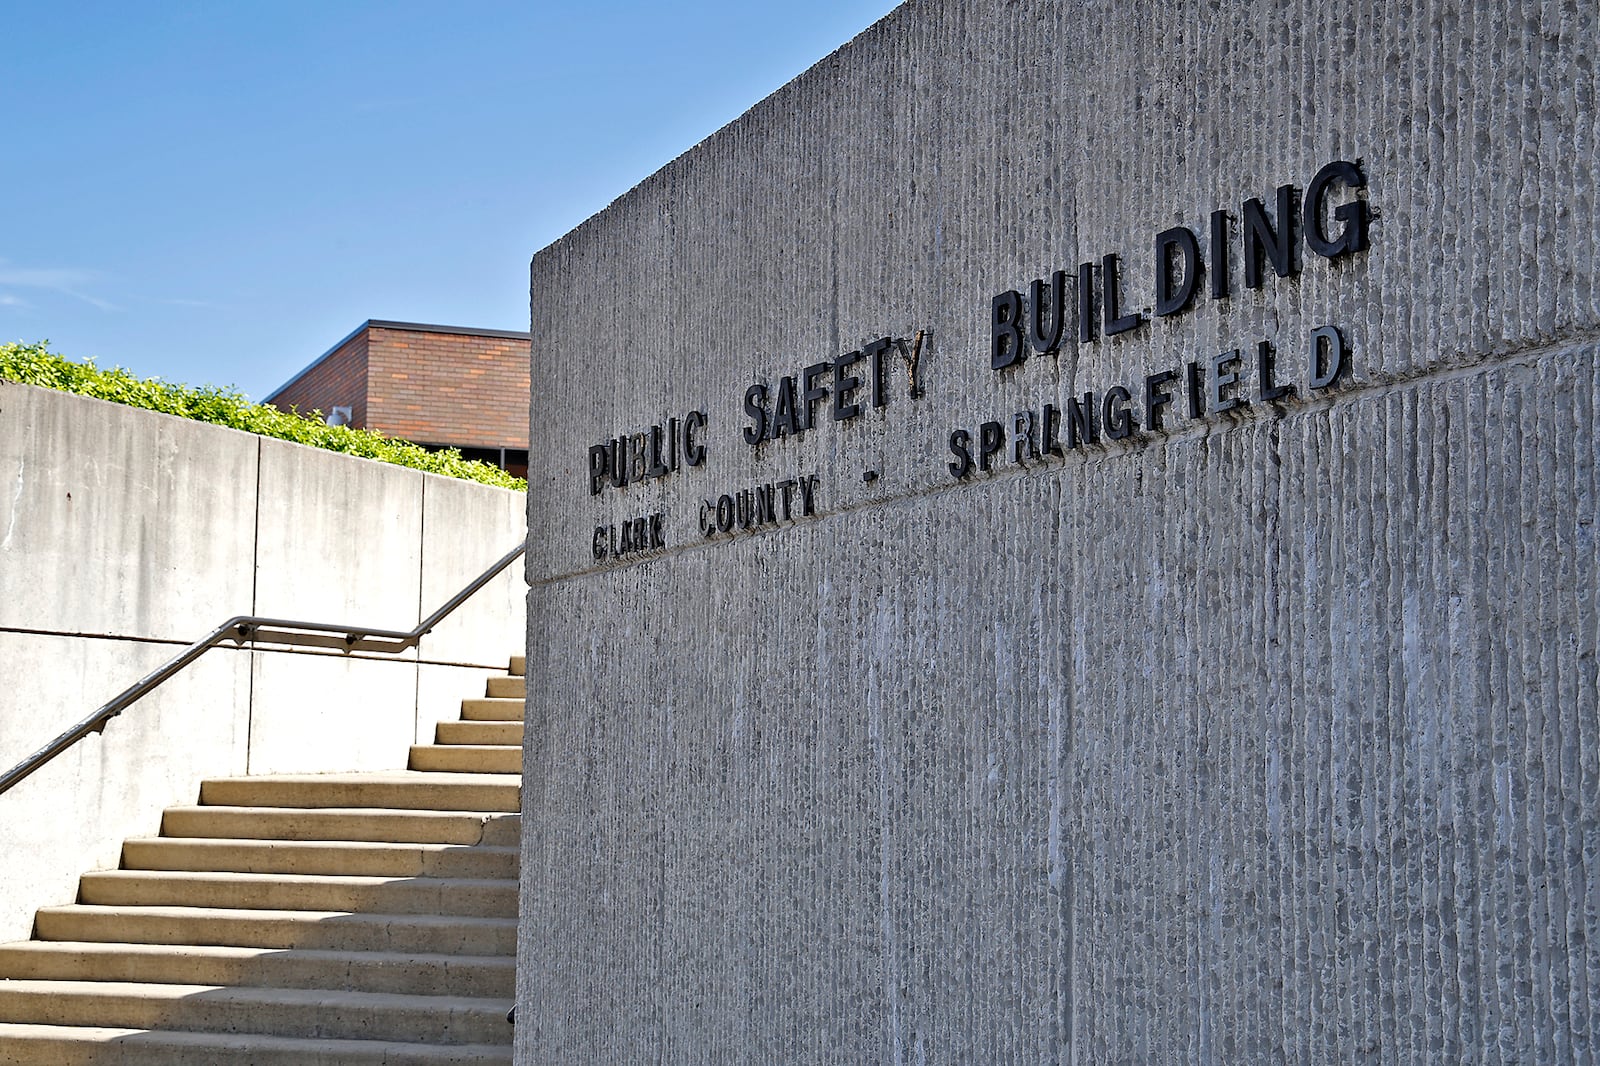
314	892
395	790
368	971
489	710
478	733
297	1012
519	666
508	688
352	824
59	1045
467	758
359	858
422	934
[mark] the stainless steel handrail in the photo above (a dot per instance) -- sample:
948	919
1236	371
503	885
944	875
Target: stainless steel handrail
241	628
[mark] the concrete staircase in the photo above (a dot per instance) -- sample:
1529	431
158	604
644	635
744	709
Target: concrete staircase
350	919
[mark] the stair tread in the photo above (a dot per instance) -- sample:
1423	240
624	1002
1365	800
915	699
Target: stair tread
255	993
278	929
432	847
234	952
354	880
266	914
314	1012
376	777
470	747
457	827
335	857
390	790
24	1039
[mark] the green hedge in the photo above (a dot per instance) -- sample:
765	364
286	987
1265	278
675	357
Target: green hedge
35	364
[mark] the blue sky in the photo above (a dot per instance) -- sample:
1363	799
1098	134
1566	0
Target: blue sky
217	192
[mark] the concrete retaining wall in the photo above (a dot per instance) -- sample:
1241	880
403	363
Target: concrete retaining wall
125	535
1270	735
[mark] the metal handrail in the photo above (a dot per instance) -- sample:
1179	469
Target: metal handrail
241	628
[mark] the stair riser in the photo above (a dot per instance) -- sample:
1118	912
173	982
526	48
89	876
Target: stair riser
225	1009
433	795
266	823
464	759
492	710
507	688
57	1046
478	733
286	858
333	933
519	665
423	896
504	832
487	978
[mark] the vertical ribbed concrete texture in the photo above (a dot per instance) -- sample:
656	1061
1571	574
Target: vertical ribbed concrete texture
1269	737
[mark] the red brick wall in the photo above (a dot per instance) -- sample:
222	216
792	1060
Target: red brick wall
448	388
338	380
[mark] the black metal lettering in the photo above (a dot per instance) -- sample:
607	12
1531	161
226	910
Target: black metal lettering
812	394
1194	386
785	422
787	487
619	462
1220	380
636	457
599	466
693	453
961	448
880	384
844	385
755	405
1115	415
658	538
1005	330
599	546
1047	339
1219	255
991	437
1326	370
724	513
1022	437
1356	215
1173	296
808	489
1049	444
1111	300
766	507
1155	398
1259	237
1080	421
707	511
1268	392
1086	302
658	466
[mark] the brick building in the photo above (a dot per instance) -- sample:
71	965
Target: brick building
438	386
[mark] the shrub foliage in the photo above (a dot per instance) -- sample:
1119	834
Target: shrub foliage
35	364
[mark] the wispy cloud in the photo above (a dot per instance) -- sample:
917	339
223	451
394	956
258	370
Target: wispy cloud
9	300
179	302
66	281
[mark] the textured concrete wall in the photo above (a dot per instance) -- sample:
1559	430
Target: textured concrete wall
124	535
1271	736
